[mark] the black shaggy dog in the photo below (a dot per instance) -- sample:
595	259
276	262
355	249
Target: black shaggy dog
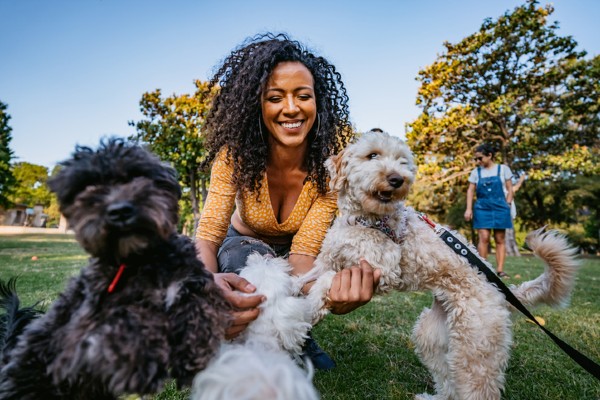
143	310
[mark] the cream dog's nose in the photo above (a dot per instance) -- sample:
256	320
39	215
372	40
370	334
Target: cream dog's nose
395	180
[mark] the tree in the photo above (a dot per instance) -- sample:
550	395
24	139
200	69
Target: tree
518	85
7	179
172	129
31	187
53	209
573	205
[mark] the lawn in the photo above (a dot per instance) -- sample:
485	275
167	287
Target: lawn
372	345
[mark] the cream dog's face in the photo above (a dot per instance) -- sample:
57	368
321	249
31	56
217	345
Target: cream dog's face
373	174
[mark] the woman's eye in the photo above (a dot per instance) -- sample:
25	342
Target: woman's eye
372	156
274	99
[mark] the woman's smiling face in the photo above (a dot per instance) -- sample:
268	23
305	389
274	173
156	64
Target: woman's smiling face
289	106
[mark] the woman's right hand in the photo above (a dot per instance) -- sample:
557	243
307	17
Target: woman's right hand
352	288
246	307
468	214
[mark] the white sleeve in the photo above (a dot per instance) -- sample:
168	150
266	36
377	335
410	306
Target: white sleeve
473	178
507	173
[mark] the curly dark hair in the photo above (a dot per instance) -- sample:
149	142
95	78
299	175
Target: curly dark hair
486	148
234	118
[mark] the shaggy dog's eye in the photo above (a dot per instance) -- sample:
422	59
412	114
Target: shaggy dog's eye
91	201
92	196
372	156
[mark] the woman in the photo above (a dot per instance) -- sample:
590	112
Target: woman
493	186
279	113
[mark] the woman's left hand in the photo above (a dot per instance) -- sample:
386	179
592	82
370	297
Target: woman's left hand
352	288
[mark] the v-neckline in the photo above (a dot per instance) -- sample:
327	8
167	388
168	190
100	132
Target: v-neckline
268	196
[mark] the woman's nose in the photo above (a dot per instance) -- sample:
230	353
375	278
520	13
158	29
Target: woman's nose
290	105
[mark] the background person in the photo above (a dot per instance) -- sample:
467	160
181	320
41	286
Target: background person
516	185
280	113
512	248
490	181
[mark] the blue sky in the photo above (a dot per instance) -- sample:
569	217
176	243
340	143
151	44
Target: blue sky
74	71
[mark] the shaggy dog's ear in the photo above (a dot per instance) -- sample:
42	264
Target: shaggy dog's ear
335	166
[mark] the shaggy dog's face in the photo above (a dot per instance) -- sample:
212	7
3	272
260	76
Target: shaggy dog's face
372	175
118	200
122	218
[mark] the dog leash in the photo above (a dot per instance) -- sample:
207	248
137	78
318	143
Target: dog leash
463	250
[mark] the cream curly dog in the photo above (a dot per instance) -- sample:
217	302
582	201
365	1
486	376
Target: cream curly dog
464	339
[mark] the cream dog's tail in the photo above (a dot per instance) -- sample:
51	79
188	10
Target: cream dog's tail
554	286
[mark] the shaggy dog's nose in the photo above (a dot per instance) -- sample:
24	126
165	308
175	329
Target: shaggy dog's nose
395	180
121	213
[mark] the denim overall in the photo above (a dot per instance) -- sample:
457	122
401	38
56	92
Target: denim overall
491	210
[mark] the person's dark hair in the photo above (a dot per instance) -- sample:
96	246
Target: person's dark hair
486	148
234	118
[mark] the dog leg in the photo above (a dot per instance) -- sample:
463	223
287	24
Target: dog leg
478	342
317	297
197	328
430	337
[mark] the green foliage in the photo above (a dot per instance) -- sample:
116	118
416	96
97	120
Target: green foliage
517	84
7	179
572	205
172	128
52	209
53	213
31	187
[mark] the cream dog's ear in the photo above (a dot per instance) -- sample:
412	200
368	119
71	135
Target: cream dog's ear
335	165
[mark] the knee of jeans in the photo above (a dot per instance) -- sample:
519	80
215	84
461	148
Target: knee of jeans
227	264
233	255
252	245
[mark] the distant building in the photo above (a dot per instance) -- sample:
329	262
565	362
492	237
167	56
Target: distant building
21	215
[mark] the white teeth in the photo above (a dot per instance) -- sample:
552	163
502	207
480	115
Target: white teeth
288	125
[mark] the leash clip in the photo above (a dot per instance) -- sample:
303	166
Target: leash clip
437	228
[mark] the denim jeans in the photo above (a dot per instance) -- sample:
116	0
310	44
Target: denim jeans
236	248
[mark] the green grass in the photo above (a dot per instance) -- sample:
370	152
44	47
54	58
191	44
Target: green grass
58	258
372	345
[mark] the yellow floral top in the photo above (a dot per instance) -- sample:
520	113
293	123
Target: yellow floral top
311	217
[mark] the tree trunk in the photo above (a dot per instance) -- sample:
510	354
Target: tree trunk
204	191
512	249
63	225
194	200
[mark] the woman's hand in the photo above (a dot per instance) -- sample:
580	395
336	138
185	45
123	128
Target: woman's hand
246	306
468	214
352	288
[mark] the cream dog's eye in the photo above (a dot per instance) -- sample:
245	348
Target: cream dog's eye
372	156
